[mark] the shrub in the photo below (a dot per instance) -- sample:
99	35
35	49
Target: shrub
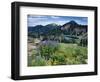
47	49
39	62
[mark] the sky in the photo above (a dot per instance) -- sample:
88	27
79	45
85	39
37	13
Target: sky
34	20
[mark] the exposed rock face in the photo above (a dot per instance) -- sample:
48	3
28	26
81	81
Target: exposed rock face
73	28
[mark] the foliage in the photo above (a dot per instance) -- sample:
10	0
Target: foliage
47	49
38	61
59	54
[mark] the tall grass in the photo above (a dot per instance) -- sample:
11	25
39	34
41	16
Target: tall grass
61	54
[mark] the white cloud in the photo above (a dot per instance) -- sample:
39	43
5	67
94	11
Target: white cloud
55	17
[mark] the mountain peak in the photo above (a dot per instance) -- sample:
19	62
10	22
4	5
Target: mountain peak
39	25
52	24
72	23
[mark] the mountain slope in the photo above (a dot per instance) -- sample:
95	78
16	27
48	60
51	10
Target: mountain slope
73	28
69	28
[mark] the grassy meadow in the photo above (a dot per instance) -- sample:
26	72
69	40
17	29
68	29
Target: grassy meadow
62	54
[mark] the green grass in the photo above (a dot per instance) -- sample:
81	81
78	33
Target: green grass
66	54
73	54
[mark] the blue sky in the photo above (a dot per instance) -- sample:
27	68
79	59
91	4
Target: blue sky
34	20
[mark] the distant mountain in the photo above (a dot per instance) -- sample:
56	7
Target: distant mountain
53	24
43	29
68	28
35	28
72	23
74	28
51	27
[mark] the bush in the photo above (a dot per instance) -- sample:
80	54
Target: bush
39	62
47	49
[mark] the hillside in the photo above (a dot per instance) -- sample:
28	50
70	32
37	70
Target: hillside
69	28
